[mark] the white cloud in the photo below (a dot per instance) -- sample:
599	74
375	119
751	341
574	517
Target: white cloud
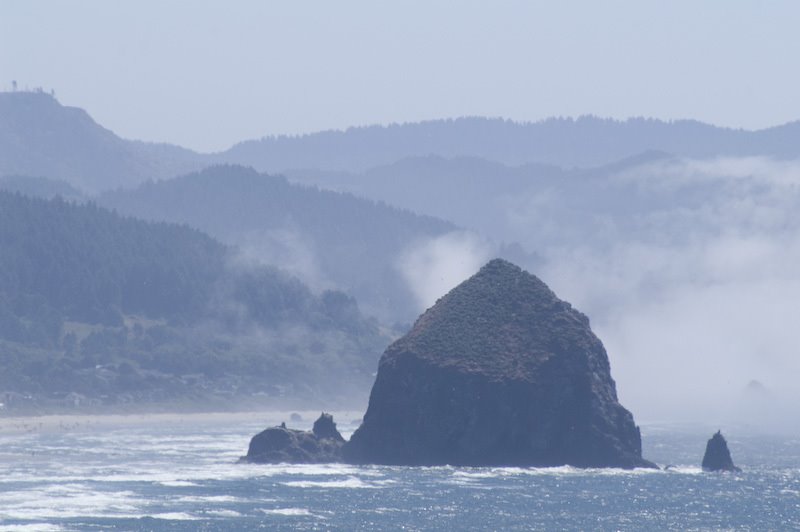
288	249
435	266
689	271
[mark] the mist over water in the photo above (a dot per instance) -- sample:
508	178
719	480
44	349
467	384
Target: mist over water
688	271
686	268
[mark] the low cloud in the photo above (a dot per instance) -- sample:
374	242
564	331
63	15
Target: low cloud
435	266
288	249
688	270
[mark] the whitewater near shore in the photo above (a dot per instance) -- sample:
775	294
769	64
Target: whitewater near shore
180	472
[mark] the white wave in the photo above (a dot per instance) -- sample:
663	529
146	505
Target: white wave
350	482
467	476
222	513
33	527
177	483
310	469
685	470
209	498
66	502
288	511
35	514
476	474
173	516
384	510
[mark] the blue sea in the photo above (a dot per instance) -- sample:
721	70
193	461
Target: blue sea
181	474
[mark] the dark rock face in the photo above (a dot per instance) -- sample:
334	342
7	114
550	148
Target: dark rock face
281	445
718	457
499	372
325	428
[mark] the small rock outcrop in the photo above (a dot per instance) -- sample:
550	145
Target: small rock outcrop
279	444
325	428
718	456
498	372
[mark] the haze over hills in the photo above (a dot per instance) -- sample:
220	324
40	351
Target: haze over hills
328	239
584	142
654	243
680	220
427	185
105	311
492	196
42	138
41	187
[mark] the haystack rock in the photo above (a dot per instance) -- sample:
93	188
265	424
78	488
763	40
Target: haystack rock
718	456
499	372
322	444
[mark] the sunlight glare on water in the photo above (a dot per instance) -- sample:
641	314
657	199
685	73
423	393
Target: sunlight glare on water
185	477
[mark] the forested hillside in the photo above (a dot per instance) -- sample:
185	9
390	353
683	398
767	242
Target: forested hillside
583	142
40	187
117	309
41	137
329	239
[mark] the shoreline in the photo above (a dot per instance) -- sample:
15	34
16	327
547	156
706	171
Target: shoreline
22	424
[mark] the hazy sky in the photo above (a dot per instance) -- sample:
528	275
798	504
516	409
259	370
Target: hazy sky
208	74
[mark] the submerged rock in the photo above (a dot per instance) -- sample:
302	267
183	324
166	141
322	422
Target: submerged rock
283	445
499	372
718	456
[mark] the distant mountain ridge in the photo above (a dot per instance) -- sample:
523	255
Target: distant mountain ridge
41	137
583	142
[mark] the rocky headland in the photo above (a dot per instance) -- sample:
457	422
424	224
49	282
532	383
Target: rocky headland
717	456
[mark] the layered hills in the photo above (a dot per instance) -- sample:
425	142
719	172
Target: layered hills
587	141
329	239
41	137
98	309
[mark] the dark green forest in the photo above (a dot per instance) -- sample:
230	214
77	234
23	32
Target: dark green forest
352	243
97	308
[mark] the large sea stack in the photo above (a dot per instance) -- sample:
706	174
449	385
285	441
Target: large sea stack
498	372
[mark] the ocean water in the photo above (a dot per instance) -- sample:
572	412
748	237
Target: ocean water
184	476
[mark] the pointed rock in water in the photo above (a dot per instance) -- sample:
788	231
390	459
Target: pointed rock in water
718	457
282	445
498	372
325	427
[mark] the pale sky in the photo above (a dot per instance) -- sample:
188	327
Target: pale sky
208	74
